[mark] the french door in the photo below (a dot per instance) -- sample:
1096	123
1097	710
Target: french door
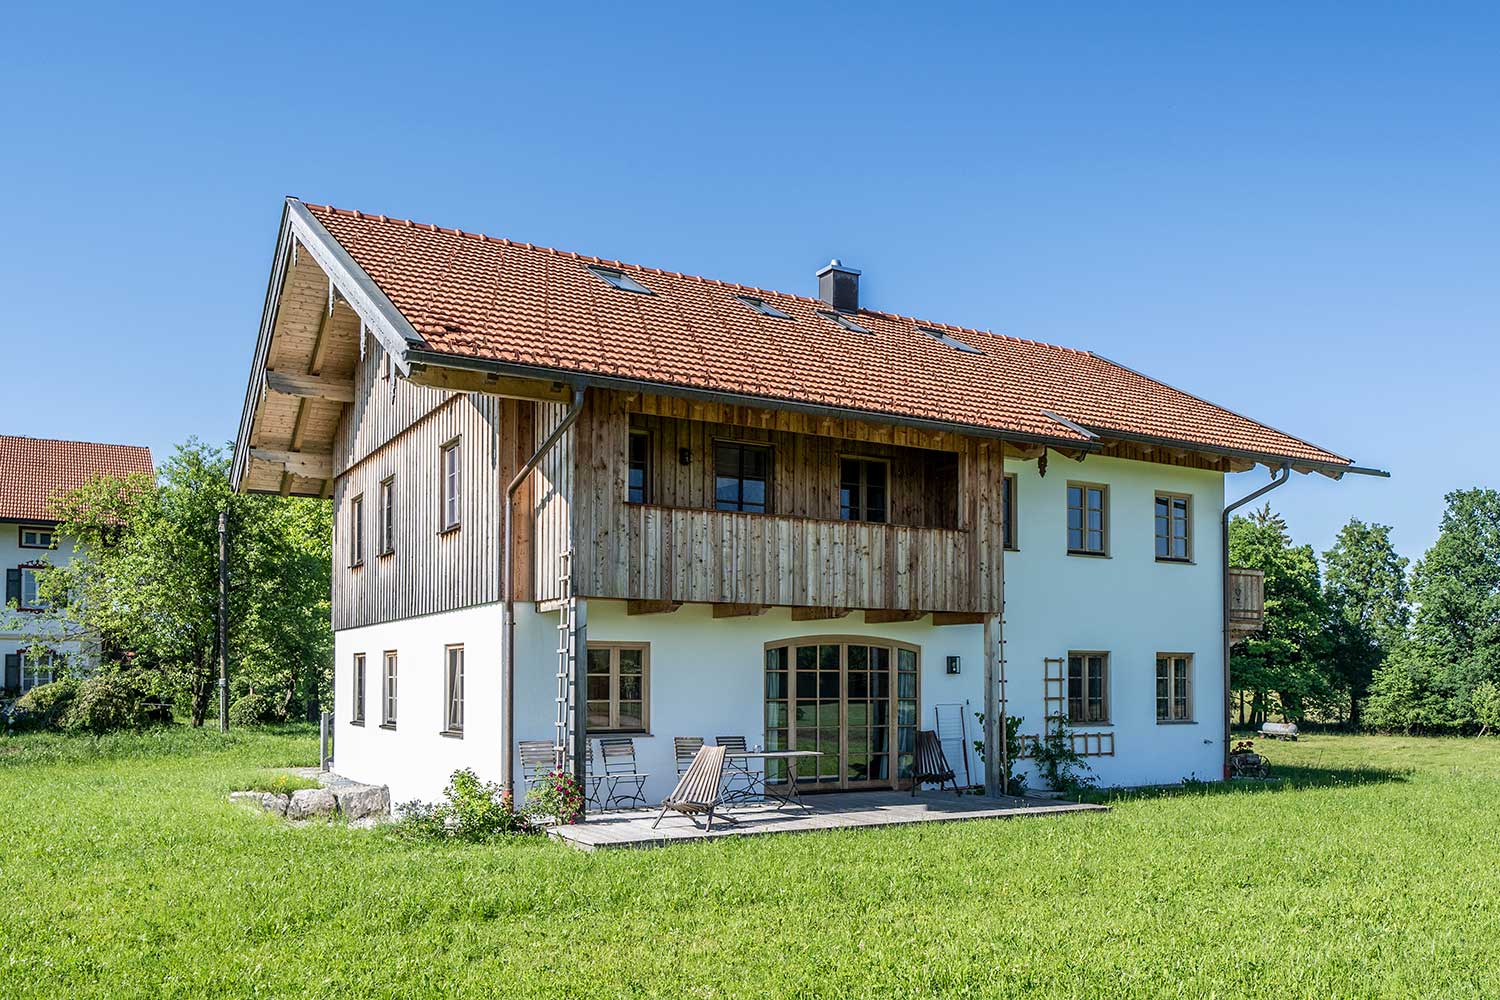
853	699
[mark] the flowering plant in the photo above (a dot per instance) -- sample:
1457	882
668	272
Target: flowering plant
556	795
1241	747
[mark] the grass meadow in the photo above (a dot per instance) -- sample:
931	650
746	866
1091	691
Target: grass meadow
1372	869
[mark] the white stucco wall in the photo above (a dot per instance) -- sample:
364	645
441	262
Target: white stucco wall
1127	604
17	630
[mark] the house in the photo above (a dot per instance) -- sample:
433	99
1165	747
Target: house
33	473
721	510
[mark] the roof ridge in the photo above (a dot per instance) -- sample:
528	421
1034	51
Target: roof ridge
720	282
97	444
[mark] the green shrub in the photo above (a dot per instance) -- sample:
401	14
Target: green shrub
44	705
1015	748
473	810
1062	768
254	709
557	796
106	703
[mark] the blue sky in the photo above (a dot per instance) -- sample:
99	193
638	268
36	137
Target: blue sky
1290	209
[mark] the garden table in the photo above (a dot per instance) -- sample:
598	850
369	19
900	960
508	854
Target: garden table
790	757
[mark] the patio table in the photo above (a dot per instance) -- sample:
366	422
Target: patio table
791	757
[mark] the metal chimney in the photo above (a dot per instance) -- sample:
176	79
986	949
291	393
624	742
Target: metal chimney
839	286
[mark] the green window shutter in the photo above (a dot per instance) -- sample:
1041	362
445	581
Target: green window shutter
12	672
13	586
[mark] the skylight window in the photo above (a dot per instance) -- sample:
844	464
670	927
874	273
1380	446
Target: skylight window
763	307
953	342
620	280
843	321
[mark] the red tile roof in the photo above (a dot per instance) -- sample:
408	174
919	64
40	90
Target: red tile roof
478	296
35	470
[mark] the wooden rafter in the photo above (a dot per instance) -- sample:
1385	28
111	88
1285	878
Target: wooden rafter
298	463
818	614
651	607
311	386
889	617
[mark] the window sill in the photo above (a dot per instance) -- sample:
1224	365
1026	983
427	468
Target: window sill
386	554
452	734
1178	562
357	565
1012	548
610	733
357	722
388	725
1088	555
1091	725
449	530
1176	722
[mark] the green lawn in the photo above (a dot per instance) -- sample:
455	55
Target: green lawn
1374	870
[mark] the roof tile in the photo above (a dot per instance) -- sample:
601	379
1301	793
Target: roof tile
34	471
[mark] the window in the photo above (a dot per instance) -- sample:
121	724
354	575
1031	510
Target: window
1174	702
385	365
388	691
1088	688
1173	528
449	470
357	690
1008	511
1086	519
763	307
636	490
619	279
36	538
387	516
357	530
742	477
31	598
953	342
617	687
453	689
862	489
36	669
843	321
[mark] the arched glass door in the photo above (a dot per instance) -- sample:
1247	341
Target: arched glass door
853	699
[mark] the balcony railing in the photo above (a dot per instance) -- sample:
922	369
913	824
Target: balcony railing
1247	601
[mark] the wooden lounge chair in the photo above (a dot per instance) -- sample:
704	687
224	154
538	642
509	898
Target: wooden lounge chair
931	763
625	784
697	790
686	748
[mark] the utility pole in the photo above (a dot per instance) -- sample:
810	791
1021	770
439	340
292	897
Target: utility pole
223	622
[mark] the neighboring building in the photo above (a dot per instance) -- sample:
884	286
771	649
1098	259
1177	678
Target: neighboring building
792	519
33	473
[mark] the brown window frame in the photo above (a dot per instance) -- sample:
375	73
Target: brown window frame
1084	549
386	511
846	511
455	498
768	507
22	543
1009	523
356	530
357	683
1187	526
614	649
1169	661
389	668
36	588
645	467
1085	656
453	690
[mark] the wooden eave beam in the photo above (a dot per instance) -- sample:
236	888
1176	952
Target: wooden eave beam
740	610
818	614
958	618
466	380
311	386
877	617
299	463
651	607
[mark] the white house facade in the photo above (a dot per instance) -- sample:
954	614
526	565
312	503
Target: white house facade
580	501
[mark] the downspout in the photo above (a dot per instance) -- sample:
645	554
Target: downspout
1281	476
508	651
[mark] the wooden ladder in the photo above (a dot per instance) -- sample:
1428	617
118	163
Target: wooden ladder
1054	691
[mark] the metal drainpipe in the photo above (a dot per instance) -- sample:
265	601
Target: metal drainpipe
508	651
1281	476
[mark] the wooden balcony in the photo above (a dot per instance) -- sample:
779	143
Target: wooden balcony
666	554
1247	601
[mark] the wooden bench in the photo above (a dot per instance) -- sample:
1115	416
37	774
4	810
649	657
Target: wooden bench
1279	730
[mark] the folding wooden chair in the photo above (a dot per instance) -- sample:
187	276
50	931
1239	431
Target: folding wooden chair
686	748
931	763
625	783
697	791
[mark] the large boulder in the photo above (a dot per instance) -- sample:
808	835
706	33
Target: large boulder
308	803
360	801
273	803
